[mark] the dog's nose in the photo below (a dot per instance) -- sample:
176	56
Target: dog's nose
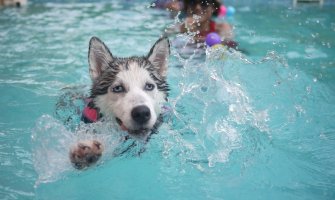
141	114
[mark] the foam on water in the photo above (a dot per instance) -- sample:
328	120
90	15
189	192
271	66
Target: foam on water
52	142
50	149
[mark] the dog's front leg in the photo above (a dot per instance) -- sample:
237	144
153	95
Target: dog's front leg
85	153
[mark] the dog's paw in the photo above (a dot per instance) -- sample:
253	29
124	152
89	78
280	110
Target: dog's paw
85	153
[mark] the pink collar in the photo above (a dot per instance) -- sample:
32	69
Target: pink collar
90	113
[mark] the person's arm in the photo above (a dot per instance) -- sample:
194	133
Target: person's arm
225	30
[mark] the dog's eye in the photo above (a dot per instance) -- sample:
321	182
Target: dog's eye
149	86
118	89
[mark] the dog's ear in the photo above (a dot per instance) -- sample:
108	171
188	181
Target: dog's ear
98	57
159	54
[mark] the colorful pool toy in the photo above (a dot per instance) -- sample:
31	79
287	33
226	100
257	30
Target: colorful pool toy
222	11
213	39
230	11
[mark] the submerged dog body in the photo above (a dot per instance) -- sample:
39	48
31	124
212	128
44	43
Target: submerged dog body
130	91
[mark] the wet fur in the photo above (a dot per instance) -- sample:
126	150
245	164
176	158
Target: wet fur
121	89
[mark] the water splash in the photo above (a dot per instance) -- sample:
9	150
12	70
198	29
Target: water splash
213	112
211	116
51	141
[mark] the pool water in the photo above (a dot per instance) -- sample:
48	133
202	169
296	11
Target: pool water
243	126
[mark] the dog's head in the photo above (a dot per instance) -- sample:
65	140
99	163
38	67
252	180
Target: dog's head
129	90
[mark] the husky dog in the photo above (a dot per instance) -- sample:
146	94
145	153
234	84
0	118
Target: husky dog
130	91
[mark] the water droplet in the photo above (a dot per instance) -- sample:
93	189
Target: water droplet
328	45
152	5
309	89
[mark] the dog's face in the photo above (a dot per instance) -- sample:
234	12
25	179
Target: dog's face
129	90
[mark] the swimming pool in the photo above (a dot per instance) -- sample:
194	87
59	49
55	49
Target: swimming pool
258	126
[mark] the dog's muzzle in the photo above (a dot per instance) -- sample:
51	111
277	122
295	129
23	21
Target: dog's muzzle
141	114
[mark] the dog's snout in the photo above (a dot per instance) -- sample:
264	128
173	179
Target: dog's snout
141	114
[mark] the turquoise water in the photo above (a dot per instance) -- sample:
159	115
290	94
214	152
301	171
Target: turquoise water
255	126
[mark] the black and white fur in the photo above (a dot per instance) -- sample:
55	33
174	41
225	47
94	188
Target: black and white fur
128	90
